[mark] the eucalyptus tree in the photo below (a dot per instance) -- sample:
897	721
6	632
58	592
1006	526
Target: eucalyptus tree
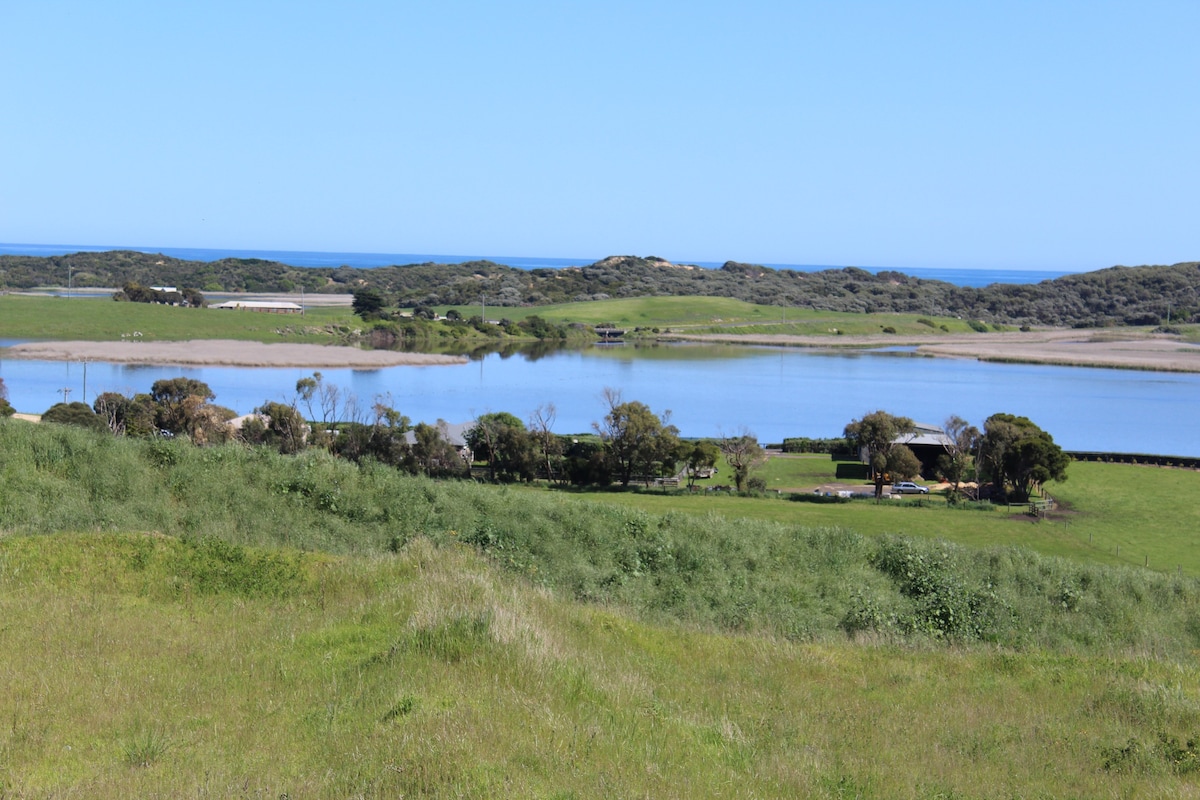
742	453
1016	453
637	442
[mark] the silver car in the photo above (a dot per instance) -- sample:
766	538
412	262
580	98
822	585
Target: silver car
908	487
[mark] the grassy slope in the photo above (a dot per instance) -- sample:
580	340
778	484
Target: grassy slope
128	672
133	665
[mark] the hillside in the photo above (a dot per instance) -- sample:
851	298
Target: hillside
1113	296
230	621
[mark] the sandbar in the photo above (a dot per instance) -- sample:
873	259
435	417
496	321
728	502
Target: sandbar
225	353
1072	347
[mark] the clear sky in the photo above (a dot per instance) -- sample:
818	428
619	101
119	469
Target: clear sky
1040	135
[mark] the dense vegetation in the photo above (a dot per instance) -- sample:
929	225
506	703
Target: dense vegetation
1144	295
302	625
787	580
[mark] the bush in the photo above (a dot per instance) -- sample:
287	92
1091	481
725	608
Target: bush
78	414
803	444
977	326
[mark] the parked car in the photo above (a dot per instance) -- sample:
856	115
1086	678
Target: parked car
908	487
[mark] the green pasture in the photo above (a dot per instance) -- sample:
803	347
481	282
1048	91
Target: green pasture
149	666
722	314
24	317
229	621
1108	513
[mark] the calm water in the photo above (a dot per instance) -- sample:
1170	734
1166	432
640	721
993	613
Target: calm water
775	393
297	258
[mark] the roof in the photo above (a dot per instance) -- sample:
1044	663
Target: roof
454	432
925	434
261	305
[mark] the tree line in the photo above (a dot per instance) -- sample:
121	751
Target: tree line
1011	452
630	444
1145	295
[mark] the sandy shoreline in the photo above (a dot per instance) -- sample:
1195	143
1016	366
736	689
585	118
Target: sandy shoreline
1089	348
225	352
1071	347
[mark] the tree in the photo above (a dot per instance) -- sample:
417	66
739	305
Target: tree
331	406
902	463
876	433
76	413
549	446
586	463
6	410
1017	453
127	416
636	441
700	456
962	439
284	428
500	439
432	453
742	453
194	298
177	399
208	423
367	303
113	409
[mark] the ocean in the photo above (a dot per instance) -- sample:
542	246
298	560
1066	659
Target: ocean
304	258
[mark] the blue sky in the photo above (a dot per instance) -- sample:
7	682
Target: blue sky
1039	135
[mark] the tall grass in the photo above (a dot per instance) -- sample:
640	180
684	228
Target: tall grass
430	673
801	583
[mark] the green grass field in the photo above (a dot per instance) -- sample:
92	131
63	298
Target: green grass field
142	666
104	320
724	314
1109	513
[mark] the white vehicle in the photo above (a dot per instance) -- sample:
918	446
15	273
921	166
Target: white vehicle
908	487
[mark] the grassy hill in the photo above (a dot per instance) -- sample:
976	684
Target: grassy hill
188	621
1114	296
139	665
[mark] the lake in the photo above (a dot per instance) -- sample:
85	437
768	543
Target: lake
710	390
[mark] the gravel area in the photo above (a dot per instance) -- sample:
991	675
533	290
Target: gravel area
1070	347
